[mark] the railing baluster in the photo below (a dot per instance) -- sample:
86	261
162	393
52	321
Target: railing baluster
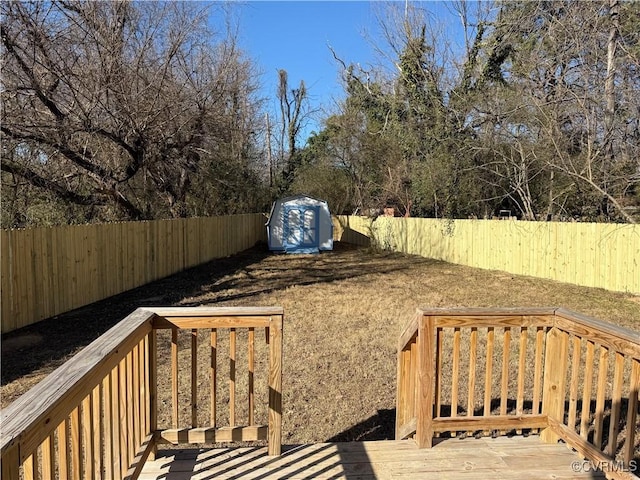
194	378
86	447
152	384
251	361
411	360
115	424
488	373
404	373
131	446
537	372
587	388
213	371
401	404
632	412
29	467
616	399
174	377
61	432
232	377
603	363
145	397
106	419
96	432
439	350
124	400
573	387
522	361
473	353
455	373
504	384
48	458
138	418
76	464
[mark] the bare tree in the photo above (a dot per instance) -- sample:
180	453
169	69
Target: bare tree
551	77
126	103
294	110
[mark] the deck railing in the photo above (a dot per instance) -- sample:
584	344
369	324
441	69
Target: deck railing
98	415
481	372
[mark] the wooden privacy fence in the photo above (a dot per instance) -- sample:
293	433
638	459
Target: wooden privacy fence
483	371
98	415
598	255
48	271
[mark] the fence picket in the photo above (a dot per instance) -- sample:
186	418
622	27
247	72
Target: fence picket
48	271
588	254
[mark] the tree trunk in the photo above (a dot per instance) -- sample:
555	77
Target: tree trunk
610	97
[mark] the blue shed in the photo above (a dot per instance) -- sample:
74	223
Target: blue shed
300	224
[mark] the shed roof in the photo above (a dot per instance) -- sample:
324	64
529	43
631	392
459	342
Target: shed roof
289	198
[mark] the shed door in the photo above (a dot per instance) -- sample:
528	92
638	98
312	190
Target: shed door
301	224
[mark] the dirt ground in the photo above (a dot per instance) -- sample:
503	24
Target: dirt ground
343	313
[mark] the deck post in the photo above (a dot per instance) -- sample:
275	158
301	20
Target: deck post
407	359
553	385
275	385
425	376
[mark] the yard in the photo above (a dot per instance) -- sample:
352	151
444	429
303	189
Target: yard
343	314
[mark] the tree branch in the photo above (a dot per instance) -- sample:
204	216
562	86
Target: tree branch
39	181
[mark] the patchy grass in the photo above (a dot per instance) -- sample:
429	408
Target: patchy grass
343	314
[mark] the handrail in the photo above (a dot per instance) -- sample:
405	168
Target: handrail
613	336
98	413
63	404
526	369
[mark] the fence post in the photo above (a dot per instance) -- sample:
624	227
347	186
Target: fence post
275	385
425	379
553	384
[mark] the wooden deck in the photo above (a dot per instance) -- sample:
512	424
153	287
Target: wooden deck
99	411
485	458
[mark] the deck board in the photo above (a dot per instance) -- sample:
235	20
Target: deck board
500	458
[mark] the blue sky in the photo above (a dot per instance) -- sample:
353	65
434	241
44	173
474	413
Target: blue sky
296	35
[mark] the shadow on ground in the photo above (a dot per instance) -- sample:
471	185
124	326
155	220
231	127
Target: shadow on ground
281	271
377	427
45	345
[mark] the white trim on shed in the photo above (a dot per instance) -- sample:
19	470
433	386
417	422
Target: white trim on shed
300	224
